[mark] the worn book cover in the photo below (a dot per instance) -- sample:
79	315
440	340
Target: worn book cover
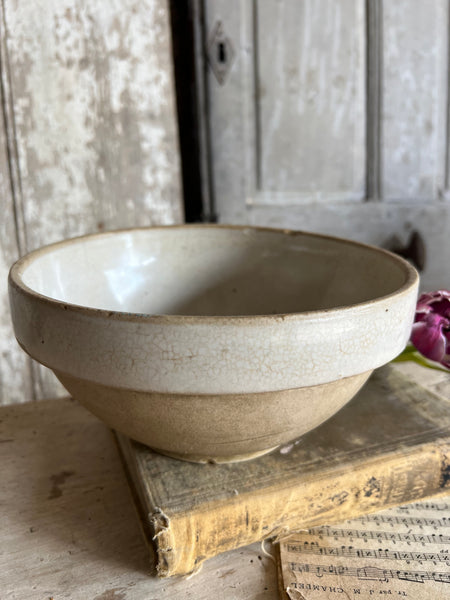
390	445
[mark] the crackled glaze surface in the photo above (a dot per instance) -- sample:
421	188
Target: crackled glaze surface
211	342
90	307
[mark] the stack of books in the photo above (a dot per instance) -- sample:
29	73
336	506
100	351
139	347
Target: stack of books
388	447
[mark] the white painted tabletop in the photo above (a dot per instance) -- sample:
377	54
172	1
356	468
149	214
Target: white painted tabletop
68	523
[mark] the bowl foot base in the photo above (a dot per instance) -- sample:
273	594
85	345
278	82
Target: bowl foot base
195	458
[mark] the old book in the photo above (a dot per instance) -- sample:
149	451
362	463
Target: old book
402	552
390	445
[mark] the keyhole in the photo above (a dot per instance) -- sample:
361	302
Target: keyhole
221	53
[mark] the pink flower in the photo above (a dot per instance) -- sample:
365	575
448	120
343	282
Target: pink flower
431	329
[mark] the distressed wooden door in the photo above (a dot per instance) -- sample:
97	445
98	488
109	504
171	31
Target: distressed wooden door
330	116
88	137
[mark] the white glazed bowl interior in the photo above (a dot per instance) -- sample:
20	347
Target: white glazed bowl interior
213	272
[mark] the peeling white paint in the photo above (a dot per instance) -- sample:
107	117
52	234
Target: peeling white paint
415	66
95	122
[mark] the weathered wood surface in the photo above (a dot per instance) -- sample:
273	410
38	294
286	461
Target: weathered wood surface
436	381
91	133
68	525
15	370
310	86
274	163
414	94
69	528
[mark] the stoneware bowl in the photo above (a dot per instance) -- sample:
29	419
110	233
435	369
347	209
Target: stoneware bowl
212	343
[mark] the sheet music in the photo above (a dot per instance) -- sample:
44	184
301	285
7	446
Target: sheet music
402	552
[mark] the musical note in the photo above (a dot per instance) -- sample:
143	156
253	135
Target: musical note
435	506
402	552
373	573
381	554
379	535
404	520
441	577
369	572
411	576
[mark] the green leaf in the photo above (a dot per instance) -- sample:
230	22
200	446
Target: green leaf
412	355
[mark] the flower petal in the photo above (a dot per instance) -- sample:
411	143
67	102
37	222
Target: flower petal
442	307
426	298
428	337
438	302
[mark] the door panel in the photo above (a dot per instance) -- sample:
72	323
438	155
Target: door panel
332	116
310	95
88	138
414	92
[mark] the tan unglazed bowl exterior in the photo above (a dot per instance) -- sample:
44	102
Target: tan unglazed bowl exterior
212	343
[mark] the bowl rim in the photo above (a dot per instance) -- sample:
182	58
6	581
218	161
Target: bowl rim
15	279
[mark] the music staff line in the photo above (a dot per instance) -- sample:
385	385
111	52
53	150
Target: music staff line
351	552
405	520
392	536
435	506
370	573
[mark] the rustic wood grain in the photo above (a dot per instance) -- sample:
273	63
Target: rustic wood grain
95	121
68	525
414	94
310	88
436	381
92	123
287	126
257	112
15	373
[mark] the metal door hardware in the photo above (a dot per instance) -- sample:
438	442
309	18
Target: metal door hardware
414	250
220	53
